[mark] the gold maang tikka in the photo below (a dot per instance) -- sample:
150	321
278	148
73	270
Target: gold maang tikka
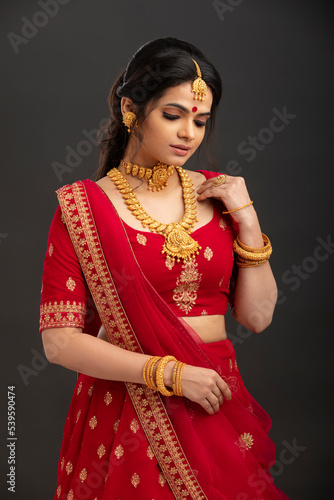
157	176
198	86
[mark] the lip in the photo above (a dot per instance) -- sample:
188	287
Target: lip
180	149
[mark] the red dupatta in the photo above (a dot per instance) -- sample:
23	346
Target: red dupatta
202	456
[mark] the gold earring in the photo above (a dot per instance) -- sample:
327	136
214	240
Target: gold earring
128	119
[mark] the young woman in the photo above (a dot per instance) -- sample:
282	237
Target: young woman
139	270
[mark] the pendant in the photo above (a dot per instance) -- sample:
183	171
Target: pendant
179	244
160	176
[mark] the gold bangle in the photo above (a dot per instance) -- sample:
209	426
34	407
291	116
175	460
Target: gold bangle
160	375
266	246
150	369
144	369
251	255
178	377
248	263
239	208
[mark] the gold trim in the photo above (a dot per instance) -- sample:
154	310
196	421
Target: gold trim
54	314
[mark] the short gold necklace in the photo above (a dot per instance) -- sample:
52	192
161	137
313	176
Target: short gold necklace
178	242
157	176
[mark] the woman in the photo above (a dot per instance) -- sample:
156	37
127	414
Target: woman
135	288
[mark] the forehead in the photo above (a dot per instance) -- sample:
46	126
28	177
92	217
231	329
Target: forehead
182	94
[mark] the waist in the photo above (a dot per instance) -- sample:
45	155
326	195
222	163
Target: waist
210	328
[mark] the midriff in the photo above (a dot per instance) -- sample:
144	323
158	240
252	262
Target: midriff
210	328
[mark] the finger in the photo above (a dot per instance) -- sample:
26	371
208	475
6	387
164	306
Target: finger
219	395
209	184
225	389
208	407
214	401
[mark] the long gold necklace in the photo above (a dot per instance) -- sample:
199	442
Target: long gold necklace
178	242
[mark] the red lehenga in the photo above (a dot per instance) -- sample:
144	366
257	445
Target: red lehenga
123	440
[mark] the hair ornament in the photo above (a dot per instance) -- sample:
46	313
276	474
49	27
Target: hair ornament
198	85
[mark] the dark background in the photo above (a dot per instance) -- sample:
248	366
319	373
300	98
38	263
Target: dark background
270	54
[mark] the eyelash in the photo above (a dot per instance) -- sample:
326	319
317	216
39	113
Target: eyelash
176	117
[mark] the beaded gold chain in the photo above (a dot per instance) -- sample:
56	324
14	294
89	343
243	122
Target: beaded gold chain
178	242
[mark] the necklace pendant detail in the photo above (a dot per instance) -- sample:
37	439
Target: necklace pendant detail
159	177
179	244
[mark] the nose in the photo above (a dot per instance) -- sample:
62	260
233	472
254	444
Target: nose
187	130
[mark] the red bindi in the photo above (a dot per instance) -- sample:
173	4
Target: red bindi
194	109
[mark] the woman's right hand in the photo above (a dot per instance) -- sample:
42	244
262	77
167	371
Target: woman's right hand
203	386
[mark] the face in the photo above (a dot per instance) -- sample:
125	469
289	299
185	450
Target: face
175	128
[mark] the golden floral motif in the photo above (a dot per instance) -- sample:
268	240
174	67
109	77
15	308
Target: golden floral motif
248	439
134	426
162	479
83	475
78	415
222	224
142	240
50	249
107	398
70	283
119	451
236	365
135	480
79	388
93	422
60	314
101	450
169	262
187	285
231	364
70	495
69	468
58	491
116	424
62	463
150	453
208	253
90	391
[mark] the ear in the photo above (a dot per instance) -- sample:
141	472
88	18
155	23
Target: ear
126	105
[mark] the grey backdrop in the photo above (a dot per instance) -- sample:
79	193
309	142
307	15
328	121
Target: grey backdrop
274	57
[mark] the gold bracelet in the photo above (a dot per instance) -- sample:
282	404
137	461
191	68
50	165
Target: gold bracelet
239	208
251	255
250	263
178	377
144	369
160	375
266	246
150	369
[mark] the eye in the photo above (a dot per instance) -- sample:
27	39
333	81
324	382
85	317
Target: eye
200	124
170	117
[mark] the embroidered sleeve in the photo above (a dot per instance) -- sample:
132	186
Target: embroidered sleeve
64	289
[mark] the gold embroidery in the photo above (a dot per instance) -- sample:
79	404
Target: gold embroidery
169	262
62	463
135	480
70	283
70	495
50	249
90	390
162	479
78	415
107	398
141	239
79	388
93	422
58	491
247	439
60	314
208	253
222	224
110	308
231	364
221	282
83	475
134	426
204	312
119	451
236	365
150	453
69	468
187	284
101	450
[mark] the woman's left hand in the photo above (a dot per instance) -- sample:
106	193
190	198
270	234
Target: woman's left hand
233	193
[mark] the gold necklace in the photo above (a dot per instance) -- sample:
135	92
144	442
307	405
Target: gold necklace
178	242
157	176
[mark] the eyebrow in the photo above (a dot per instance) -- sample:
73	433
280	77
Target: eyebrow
185	109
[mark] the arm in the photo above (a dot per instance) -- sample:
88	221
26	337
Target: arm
255	290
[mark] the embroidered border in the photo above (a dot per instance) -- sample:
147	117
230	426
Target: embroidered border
147	403
61	314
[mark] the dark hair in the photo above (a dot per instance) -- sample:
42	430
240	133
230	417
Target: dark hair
156	66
